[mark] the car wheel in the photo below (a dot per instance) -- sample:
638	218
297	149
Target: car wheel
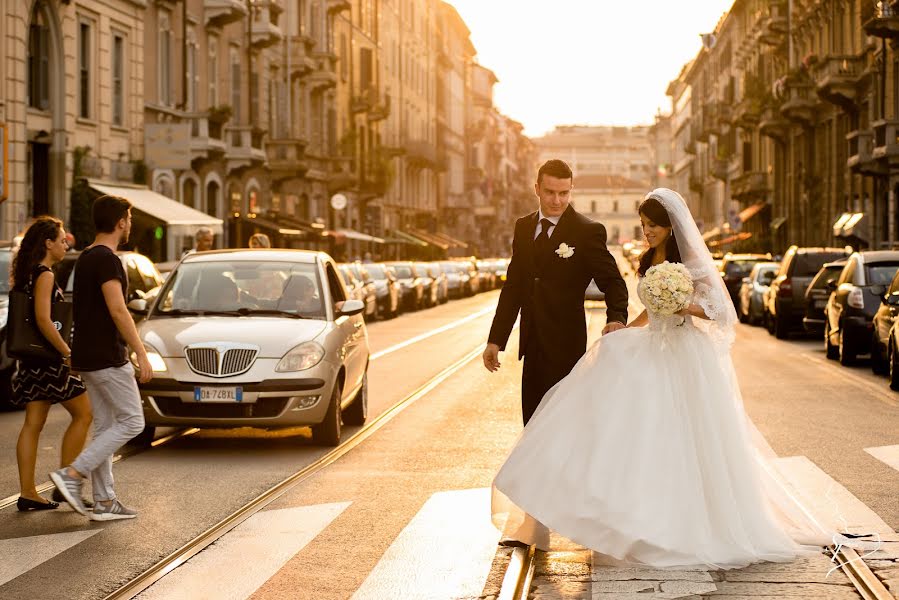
769	323
830	350
894	367
744	318
327	433
781	328
145	438
357	412
847	352
878	365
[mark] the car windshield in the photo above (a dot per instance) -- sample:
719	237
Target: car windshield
450	267
403	272
881	273
826	274
739	267
377	272
5	260
807	264
242	288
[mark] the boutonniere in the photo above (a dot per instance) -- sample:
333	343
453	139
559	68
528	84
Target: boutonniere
565	251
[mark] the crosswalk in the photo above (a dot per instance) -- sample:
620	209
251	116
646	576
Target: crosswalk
445	550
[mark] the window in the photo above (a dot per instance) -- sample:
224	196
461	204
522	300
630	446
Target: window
84	70
344	57
193	74
164	61
338	294
365	68
213	71
38	61
593	206
235	85
118	86
615	206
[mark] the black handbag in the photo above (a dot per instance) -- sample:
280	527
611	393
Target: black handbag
24	340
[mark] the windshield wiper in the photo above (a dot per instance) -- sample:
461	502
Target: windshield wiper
269	311
178	312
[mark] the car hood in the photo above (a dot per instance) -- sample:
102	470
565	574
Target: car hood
274	336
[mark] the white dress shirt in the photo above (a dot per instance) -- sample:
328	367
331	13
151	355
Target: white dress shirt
553	220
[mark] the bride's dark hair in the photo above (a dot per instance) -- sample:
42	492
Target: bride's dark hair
655	212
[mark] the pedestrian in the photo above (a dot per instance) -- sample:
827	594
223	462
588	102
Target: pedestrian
39	384
260	240
103	326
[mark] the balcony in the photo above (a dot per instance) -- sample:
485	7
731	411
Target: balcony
365	100
775	26
695	183
725	116
244	147
708	121
207	139
421	154
381	110
264	33
338	6
301	62
719	168
773	125
799	106
836	78
747	113
286	158
884	22
690	147
324	75
861	153
752	185
219	13
886	142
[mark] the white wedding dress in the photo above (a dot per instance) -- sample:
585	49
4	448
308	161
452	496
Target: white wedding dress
644	453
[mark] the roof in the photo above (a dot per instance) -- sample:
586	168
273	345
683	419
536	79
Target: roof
874	256
258	254
592	182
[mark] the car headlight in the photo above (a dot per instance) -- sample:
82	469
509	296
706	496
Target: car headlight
156	361
305	356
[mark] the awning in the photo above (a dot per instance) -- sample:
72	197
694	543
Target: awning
273	226
404	238
453	242
711	233
359	236
291	222
429	238
751	211
731	239
851	225
179	219
777	223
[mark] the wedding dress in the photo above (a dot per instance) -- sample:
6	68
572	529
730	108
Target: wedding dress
644	452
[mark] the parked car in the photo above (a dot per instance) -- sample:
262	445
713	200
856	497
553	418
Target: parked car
752	289
431	295
262	338
411	284
456	278
785	298
855	298
735	267
473	285
817	294
360	289
7	364
437	274
502	270
387	293
487	273
882	343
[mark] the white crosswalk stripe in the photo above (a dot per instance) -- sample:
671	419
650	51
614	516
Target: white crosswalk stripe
20	555
886	454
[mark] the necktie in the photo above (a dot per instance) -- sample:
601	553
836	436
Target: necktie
542	240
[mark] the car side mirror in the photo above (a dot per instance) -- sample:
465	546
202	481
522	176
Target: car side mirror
138	306
348	308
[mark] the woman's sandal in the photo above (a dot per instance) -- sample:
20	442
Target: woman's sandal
27	504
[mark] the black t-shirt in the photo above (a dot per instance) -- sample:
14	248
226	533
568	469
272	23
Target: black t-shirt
97	342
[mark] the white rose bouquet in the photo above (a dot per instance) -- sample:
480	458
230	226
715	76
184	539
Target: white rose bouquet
669	288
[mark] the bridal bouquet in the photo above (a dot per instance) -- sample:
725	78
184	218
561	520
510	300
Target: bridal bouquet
669	288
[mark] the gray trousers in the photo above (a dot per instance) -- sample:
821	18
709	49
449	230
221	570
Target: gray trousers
118	417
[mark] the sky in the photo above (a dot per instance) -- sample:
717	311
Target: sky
596	62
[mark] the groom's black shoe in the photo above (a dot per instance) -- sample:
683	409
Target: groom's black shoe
510	543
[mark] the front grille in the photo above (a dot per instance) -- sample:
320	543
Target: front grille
220	362
262	408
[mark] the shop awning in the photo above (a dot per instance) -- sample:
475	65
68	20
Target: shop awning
179	219
851	225
731	239
777	223
400	237
751	211
453	242
711	233
274	227
352	234
429	238
292	223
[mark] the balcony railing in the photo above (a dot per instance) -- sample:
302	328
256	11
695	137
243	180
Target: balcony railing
206	138
219	13
775	25
381	110
773	125
325	73
836	78
286	157
883	23
799	106
301	62
747	113
244	147
365	100
861	153
421	153
719	168
886	141
749	186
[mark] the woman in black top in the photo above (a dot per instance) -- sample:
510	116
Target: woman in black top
40	384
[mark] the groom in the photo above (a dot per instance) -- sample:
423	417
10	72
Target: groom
556	251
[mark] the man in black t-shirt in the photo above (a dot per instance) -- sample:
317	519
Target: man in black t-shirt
103	326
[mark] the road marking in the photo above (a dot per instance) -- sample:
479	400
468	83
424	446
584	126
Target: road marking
239	562
20	555
445	551
433	332
887	454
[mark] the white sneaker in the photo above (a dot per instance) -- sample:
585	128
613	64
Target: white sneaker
114	511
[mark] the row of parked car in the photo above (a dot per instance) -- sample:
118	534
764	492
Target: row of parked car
849	299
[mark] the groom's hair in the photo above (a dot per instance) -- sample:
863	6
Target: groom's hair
554	168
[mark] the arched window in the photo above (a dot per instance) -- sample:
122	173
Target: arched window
190	193
39	59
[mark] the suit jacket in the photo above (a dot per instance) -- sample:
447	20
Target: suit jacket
548	290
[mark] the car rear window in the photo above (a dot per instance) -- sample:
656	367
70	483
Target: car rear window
825	275
806	264
881	273
739	267
376	272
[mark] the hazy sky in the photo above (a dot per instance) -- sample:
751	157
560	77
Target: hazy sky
598	62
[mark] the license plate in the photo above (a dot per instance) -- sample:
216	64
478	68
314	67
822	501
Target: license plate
820	303
218	394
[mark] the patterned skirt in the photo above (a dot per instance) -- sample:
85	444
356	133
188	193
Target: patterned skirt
51	382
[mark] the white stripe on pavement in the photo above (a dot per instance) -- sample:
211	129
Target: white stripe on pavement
887	454
446	551
434	332
238	563
20	555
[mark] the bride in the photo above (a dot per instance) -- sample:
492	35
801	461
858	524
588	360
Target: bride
644	452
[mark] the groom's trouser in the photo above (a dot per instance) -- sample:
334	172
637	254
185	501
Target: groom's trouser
541	371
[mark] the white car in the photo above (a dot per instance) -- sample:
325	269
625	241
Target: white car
263	338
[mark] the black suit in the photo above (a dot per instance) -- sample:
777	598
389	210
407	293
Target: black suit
549	292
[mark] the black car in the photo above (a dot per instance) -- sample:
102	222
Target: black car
856	296
412	286
360	289
387	292
817	294
735	267
785	298
882	337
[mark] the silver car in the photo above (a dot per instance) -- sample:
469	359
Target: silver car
752	288
263	338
